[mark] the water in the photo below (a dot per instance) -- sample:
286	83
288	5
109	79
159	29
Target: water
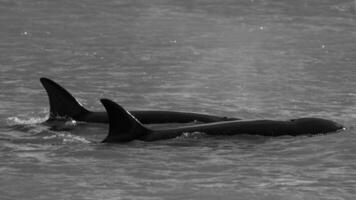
251	59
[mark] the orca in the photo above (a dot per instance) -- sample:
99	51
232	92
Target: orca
124	127
64	106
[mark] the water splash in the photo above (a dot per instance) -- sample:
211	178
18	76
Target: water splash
11	121
38	130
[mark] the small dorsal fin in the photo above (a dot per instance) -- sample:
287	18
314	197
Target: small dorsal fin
123	127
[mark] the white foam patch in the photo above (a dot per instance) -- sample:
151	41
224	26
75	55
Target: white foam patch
67	138
24	121
194	135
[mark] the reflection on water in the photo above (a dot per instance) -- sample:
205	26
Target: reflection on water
249	59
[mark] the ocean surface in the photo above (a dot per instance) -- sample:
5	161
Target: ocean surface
253	59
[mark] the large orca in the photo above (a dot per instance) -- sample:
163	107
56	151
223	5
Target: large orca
64	105
124	127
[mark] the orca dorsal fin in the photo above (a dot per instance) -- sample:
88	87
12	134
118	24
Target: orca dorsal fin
123	126
62	103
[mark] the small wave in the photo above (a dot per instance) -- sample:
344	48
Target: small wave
32	129
349	7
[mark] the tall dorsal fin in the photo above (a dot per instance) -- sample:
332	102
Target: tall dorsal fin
62	103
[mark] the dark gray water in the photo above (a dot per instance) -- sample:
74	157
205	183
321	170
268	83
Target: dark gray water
251	59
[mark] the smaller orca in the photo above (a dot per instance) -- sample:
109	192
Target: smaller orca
124	127
64	106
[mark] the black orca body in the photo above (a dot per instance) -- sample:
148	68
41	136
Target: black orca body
64	105
124	127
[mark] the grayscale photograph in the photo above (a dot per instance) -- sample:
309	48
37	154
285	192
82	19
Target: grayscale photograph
177	99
